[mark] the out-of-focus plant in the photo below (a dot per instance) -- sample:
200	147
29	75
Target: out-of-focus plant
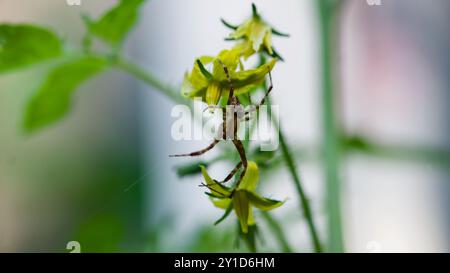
228	81
22	45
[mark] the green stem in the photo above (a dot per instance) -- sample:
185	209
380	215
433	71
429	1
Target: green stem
304	201
330	142
149	79
438	156
278	231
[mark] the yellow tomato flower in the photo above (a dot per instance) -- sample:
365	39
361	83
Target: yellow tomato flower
212	84
244	198
256	32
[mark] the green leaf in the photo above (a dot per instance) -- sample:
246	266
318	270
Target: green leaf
190	169
102	233
262	203
262	158
22	45
115	24
52	100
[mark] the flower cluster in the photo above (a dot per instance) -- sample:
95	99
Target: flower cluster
219	80
242	200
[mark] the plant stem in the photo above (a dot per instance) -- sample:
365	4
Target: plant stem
438	156
330	135
149	79
278	231
304	201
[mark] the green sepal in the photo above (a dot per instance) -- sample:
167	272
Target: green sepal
254	11
204	71
225	215
264	204
228	25
278	33
214	196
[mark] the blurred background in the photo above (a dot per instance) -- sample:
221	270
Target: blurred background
102	175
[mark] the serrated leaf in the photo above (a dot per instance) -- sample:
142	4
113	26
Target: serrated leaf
22	45
115	24
53	99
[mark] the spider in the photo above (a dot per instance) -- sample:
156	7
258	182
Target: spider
236	111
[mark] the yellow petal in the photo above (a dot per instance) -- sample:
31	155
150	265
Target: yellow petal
245	49
251	177
258	31
251	220
241	207
222	203
242	79
268	42
229	59
242	30
213	93
195	82
216	189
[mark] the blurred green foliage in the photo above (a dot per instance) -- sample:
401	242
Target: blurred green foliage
102	233
22	45
115	24
52	101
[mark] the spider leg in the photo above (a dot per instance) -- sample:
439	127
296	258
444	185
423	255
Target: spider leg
263	100
232	173
241	150
237	143
200	152
230	83
224	124
211	189
240	147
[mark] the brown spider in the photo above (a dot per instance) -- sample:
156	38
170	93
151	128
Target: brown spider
235	109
